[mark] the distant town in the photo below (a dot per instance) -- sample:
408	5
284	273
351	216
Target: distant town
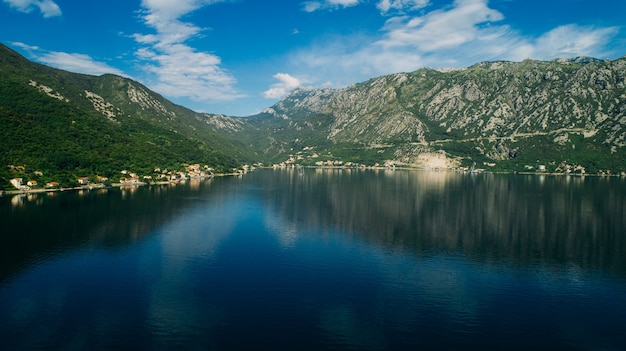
197	171
126	178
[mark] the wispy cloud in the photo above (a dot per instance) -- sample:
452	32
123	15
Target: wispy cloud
48	8
441	29
285	85
401	5
73	62
573	40
471	31
312	6
174	68
466	32
383	5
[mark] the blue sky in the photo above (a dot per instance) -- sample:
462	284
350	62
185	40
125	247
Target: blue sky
238	57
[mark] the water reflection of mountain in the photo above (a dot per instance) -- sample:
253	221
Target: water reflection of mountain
37	226
538	220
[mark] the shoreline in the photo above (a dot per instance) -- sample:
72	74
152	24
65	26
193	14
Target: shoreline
103	186
121	185
459	170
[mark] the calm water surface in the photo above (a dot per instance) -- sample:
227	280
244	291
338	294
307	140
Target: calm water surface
327	259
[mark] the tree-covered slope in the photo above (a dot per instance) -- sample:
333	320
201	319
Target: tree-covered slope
68	125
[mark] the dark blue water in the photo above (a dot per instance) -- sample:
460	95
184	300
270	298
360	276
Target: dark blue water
325	260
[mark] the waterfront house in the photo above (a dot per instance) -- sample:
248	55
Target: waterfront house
31	183
16	182
194	168
83	180
130	181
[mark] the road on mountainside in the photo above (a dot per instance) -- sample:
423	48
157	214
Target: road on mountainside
586	132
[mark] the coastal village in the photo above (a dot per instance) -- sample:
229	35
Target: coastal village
433	161
28	181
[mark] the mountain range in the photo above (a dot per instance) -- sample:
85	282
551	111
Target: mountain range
564	115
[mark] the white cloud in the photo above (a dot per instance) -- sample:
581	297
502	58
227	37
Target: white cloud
79	63
383	5
401	5
285	85
178	70
572	40
25	46
343	62
344	3
467	32
73	62
47	7
174	68
441	29
312	6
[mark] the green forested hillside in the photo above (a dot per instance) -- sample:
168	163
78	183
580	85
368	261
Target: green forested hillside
66	142
65	137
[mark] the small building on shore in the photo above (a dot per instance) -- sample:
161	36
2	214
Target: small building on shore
16	182
129	181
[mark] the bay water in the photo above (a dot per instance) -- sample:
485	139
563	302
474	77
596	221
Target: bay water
319	259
